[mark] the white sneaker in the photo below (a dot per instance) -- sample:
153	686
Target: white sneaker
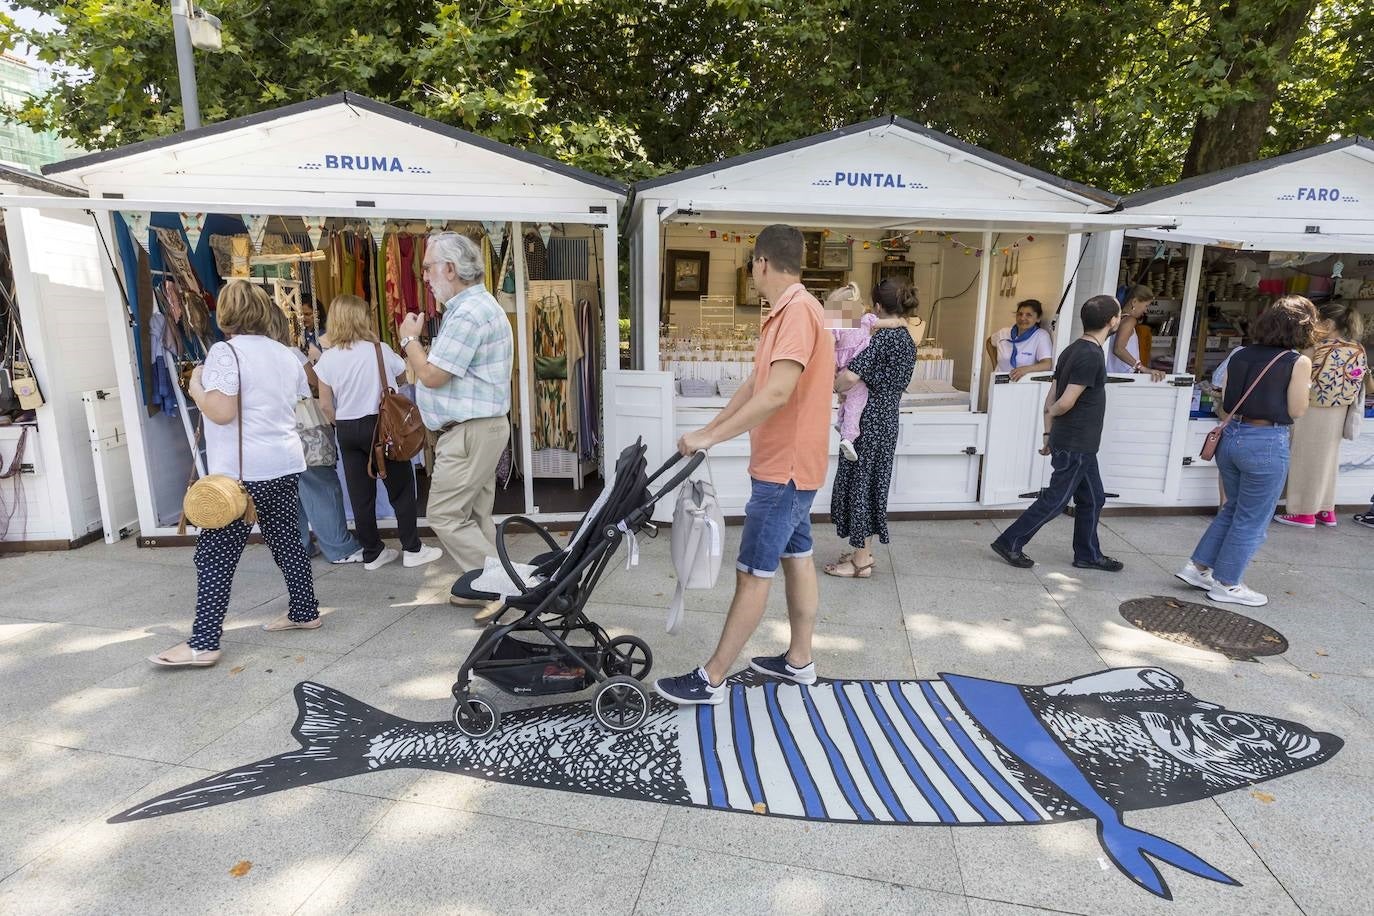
354	557
386	556
1238	594
1197	578
847	450
426	554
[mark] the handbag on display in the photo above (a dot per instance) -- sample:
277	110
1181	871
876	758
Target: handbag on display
1213	440
400	433
1354	420
317	435
218	500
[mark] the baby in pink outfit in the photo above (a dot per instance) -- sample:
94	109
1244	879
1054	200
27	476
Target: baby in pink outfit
852	324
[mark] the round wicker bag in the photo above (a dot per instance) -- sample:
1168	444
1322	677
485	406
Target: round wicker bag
215	501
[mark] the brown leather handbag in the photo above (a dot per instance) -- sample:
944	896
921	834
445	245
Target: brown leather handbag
400	433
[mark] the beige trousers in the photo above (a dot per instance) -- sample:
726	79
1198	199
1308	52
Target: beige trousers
1314	460
463	489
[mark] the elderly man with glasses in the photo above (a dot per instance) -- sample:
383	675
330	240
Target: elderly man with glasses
463	393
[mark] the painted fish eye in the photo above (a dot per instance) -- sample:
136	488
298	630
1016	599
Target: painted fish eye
1239	727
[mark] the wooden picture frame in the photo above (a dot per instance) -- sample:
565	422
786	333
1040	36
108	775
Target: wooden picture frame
836	256
686	274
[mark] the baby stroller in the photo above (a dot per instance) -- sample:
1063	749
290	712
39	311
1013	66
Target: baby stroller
541	642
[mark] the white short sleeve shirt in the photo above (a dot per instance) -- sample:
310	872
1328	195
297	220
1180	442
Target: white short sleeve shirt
269	382
1028	352
351	373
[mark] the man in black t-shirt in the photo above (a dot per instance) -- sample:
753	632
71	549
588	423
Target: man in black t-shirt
1074	411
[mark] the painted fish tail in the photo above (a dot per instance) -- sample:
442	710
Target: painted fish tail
335	732
1129	847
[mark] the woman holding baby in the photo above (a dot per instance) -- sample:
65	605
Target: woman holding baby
874	363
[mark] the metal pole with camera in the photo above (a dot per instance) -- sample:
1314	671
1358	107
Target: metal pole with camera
193	28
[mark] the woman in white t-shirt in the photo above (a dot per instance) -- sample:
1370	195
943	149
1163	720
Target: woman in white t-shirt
350	392
256	372
1025	346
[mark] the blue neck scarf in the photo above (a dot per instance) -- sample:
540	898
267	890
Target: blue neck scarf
1016	338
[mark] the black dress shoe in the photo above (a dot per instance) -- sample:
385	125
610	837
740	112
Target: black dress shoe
1106	564
1014	557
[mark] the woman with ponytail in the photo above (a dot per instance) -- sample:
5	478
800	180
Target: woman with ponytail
1339	368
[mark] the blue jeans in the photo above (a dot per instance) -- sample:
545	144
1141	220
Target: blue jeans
1075	477
1253	463
777	526
321	507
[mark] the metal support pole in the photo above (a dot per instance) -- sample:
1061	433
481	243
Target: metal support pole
186	63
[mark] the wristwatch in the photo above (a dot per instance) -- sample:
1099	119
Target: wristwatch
405	342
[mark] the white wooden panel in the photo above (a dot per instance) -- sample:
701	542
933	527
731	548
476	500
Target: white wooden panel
1355	482
639	404
32	518
1016	422
1144	439
113	473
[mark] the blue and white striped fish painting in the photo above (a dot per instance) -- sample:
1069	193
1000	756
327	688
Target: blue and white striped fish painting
954	750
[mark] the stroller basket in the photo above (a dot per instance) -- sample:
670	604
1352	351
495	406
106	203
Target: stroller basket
522	667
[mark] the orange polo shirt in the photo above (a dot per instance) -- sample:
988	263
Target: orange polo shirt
794	443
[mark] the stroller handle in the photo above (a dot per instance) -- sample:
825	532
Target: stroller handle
692	464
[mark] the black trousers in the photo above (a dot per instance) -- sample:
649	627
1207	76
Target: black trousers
355	443
1075	477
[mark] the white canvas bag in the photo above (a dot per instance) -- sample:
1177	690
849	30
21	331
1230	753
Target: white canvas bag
698	543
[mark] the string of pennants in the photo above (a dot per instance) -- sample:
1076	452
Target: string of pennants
889	242
139	222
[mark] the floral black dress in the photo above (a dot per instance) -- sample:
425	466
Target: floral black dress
858	501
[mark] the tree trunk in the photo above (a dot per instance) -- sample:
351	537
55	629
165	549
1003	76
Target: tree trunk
1234	135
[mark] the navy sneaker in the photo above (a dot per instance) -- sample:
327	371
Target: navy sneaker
693	689
778	666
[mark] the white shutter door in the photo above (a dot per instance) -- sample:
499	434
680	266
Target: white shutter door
114	477
639	403
1013	465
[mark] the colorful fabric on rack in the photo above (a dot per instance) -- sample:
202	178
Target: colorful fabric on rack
164	396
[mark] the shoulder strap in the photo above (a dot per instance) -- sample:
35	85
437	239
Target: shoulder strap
238	405
1235	410
381	368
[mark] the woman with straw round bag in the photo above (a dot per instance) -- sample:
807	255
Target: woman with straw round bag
247	393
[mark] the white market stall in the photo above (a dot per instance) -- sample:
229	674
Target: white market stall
66	483
336	181
973	231
1297	223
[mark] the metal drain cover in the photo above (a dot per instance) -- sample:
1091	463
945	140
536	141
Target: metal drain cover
1201	626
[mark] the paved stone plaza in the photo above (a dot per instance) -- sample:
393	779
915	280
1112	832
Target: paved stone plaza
88	729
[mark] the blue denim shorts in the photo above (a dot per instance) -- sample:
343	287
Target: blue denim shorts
777	525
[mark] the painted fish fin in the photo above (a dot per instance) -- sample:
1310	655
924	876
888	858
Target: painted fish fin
335	732
1128	848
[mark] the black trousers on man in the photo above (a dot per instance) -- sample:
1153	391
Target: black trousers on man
1075	477
355	443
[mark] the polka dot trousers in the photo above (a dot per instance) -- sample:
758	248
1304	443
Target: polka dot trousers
218	551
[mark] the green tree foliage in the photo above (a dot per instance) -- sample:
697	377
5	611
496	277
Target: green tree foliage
1124	94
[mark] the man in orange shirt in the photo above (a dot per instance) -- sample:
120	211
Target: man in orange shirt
785	406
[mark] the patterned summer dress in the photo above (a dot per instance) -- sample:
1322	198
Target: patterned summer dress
858	501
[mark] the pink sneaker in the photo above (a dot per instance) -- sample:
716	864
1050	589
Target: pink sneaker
1328	519
1297	521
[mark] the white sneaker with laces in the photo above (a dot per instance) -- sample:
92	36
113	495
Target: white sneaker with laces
1238	594
848	451
1196	577
354	557
386	556
426	554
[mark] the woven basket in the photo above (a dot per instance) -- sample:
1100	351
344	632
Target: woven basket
215	501
728	386
697	388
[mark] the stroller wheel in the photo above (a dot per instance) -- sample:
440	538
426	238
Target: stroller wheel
621	703
628	655
476	718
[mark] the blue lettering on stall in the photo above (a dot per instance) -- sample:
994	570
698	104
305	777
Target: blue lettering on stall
1318	194
866	180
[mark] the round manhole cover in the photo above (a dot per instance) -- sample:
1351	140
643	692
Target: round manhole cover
1203	627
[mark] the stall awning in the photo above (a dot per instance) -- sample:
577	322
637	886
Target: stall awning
906	218
1331	243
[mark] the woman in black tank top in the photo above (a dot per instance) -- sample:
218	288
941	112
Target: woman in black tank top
1253	456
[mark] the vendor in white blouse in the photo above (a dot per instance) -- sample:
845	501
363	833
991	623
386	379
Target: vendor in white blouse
1025	346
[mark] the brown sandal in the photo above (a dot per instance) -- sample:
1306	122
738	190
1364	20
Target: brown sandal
849	558
856	572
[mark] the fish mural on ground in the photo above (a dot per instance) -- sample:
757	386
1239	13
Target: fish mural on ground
955	751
